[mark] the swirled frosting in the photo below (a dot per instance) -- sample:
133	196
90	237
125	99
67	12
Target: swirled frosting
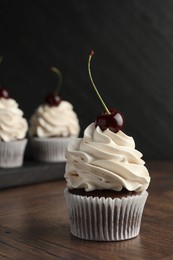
105	160
13	125
54	121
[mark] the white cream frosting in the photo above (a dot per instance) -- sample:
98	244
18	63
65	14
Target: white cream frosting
105	160
54	121
13	126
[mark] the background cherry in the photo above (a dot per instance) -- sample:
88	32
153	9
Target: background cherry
53	99
4	93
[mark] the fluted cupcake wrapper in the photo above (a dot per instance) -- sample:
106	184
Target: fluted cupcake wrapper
12	153
105	219
49	149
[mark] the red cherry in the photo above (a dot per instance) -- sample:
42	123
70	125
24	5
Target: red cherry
4	93
114	121
52	99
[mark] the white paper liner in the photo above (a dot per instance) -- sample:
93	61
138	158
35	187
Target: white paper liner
105	219
49	149
12	153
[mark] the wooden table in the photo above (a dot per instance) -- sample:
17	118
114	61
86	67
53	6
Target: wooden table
34	224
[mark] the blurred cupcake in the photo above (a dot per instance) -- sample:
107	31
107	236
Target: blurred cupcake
106	180
13	129
53	125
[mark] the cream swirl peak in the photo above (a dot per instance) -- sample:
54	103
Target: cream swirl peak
54	121
13	126
105	160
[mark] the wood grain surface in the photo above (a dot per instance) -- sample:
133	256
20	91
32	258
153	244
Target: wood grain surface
132	66
34	224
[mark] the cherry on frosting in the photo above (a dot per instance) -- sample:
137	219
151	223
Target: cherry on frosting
4	93
52	99
113	121
111	118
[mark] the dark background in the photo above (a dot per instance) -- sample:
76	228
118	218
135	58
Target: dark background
132	65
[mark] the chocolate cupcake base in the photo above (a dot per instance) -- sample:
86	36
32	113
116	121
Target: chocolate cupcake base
105	219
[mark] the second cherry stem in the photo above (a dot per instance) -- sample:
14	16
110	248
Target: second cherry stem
92	81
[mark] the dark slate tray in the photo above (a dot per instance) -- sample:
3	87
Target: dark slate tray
31	173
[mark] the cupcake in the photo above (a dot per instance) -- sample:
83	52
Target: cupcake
52	126
106	185
13	129
106	181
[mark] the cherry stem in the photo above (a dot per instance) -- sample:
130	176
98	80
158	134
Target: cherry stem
92	81
1	59
58	73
